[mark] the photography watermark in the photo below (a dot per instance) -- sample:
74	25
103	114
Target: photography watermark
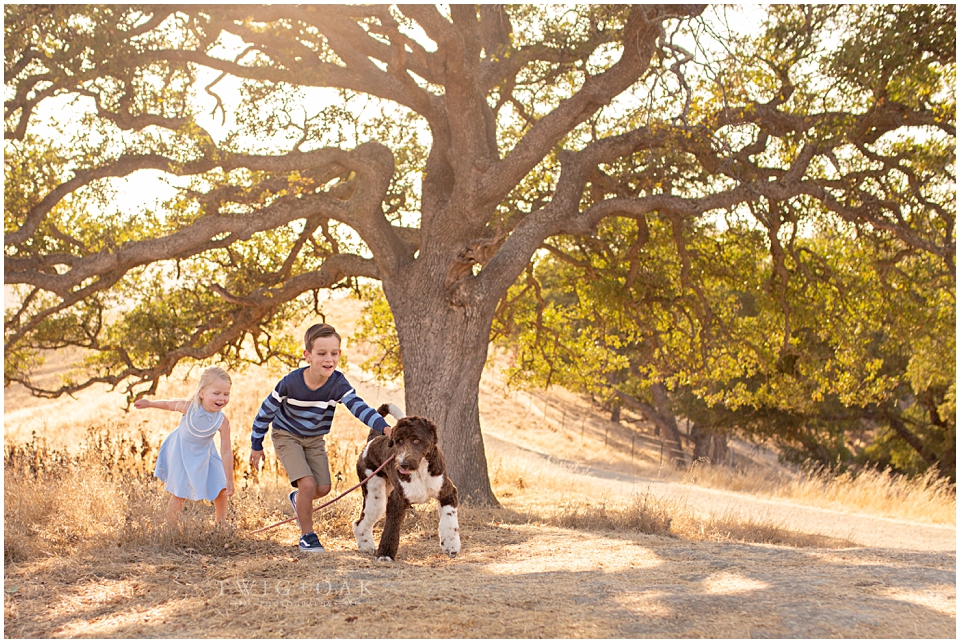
284	593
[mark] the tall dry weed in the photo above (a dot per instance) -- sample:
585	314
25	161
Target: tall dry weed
543	495
734	527
645	514
926	498
102	494
53	501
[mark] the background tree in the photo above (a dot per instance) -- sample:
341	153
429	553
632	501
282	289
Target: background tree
788	325
456	141
847	390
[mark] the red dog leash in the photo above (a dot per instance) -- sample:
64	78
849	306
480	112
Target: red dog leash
327	504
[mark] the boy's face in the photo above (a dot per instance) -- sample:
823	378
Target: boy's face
323	357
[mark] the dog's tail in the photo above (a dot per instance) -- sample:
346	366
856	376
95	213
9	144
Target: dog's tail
391	409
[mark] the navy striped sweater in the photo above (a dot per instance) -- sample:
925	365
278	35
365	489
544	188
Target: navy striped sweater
292	406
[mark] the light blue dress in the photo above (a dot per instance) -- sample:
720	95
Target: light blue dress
188	462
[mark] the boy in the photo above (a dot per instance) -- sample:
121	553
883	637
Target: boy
301	409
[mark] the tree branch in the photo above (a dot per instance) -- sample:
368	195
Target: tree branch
639	39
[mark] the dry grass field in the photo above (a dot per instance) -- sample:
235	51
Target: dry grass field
573	551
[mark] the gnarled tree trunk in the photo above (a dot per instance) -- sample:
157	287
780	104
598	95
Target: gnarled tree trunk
442	375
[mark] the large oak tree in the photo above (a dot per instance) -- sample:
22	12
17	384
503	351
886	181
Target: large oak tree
461	140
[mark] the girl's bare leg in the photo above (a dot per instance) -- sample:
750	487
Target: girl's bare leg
220	507
173	510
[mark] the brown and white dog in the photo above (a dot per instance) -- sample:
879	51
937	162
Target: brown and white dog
417	474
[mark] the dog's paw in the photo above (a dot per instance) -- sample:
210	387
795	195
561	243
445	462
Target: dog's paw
450	541
451	548
364	540
449	531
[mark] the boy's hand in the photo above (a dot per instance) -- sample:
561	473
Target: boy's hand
256	457
388	431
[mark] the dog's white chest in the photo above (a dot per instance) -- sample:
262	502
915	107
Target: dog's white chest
422	486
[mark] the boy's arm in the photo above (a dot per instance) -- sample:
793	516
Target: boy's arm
365	413
163	405
268	410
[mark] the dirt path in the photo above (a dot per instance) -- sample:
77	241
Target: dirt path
866	530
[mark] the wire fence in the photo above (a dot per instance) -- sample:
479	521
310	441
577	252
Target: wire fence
558	416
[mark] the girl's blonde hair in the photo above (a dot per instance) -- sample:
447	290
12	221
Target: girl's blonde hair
208	377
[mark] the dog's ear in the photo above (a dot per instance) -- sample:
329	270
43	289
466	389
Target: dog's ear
433	430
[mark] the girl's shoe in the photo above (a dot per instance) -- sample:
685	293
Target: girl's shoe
310	542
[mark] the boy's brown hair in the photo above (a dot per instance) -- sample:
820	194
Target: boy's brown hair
317	331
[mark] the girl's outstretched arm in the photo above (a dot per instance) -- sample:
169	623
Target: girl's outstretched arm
226	454
164	405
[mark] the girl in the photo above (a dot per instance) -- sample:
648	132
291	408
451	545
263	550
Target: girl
188	461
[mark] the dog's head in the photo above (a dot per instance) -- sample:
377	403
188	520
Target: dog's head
411	440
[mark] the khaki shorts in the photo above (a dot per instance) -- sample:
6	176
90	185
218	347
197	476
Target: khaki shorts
302	456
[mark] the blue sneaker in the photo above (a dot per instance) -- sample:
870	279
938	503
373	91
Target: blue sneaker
310	542
293	503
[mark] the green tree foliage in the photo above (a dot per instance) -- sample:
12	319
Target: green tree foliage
859	381
834	339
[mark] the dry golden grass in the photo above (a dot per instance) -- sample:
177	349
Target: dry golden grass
543	495
87	552
562	424
551	562
922	499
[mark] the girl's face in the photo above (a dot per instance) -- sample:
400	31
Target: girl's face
324	356
215	396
